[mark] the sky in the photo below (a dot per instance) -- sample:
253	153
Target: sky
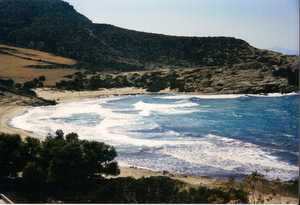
267	24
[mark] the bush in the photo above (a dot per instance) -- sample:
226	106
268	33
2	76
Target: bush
11	160
31	149
35	83
8	83
63	167
130	190
71	162
34	177
161	190
66	161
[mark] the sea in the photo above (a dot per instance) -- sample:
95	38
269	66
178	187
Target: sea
203	135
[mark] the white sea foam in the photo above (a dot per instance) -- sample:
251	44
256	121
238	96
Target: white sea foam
112	129
115	128
225	96
232	155
173	108
274	94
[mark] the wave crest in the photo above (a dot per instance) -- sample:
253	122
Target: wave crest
173	108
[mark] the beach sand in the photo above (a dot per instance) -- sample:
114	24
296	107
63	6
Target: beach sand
6	114
195	181
16	105
68	96
9	109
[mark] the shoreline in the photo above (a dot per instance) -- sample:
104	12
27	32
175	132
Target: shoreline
7	113
71	96
9	110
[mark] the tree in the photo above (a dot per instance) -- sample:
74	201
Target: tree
33	176
72	137
121	81
99	157
31	149
29	85
11	160
155	82
63	161
71	161
50	146
42	78
9	83
35	83
34	181
172	79
67	167
18	85
59	134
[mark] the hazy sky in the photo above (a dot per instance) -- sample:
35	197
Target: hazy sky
263	23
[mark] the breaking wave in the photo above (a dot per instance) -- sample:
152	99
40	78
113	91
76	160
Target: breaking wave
174	133
176	108
227	96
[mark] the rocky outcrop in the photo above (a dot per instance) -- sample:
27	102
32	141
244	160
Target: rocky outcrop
8	96
240	78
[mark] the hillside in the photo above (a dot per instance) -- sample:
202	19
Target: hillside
23	65
201	64
20	65
55	26
252	78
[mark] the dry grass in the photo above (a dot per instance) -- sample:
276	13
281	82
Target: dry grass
14	64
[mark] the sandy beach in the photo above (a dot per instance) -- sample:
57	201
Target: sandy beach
12	107
9	109
68	96
136	172
6	114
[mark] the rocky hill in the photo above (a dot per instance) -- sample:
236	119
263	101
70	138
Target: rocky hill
55	26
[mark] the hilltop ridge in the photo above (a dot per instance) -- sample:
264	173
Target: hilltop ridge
55	26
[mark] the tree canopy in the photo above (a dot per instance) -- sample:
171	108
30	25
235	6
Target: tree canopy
62	160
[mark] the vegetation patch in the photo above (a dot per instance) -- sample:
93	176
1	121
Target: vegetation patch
65	168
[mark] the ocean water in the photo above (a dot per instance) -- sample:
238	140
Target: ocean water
215	135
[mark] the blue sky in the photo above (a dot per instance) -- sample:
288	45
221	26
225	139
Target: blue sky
263	23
